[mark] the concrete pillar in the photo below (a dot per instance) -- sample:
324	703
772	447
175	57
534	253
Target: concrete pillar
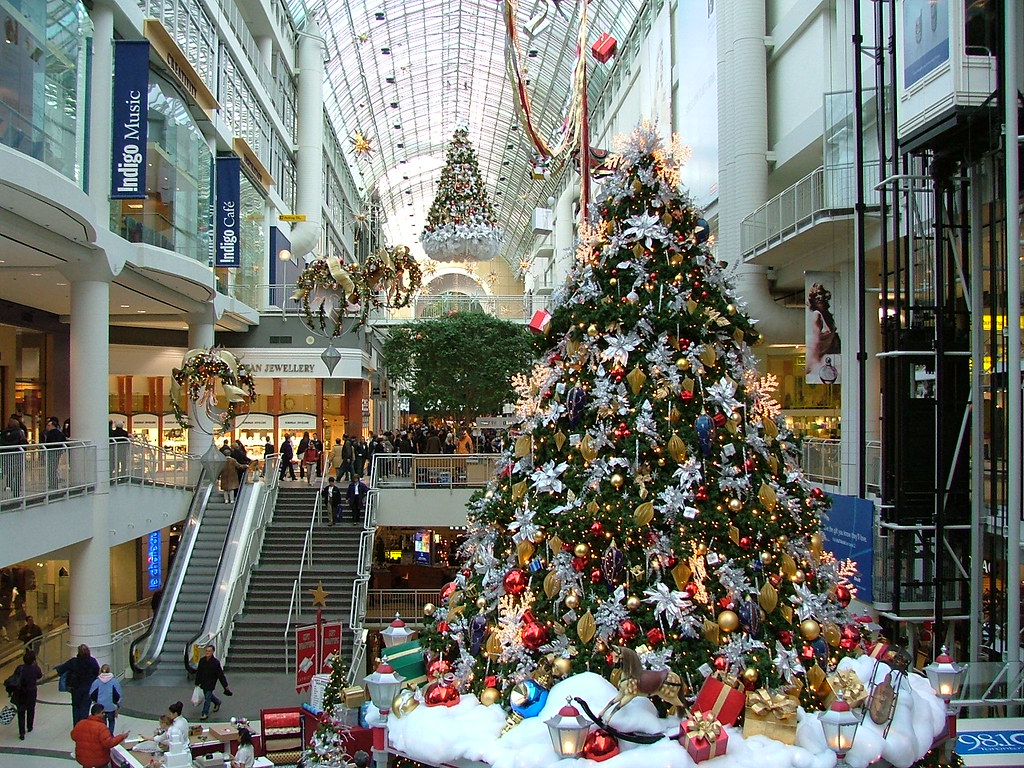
200	336
564	234
99	110
90	369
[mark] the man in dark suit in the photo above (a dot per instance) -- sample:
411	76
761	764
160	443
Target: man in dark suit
356	496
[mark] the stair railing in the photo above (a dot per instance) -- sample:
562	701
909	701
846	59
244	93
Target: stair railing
294	607
242	548
361	585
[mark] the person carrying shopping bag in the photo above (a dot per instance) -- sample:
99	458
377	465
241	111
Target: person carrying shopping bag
208	673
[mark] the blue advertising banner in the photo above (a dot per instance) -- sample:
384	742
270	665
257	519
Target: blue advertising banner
850	534
154	562
228	253
925	38
130	120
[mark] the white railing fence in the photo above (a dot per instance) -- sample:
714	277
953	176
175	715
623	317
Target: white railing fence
38	473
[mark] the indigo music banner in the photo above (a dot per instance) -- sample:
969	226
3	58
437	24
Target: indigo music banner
130	118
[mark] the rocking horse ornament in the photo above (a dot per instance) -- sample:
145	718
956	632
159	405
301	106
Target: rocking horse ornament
637	681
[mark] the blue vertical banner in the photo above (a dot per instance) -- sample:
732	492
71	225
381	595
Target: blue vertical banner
130	120
850	535
154	562
228	252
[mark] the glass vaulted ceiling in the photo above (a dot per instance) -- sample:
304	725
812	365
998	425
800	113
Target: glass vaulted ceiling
404	72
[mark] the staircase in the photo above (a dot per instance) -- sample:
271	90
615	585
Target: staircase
190	608
257	641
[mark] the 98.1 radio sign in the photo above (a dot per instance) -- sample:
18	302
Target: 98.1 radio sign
991	742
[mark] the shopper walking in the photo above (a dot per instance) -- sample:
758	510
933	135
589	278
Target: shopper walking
208	674
53	438
287	454
24	694
78	673
356	495
300	452
106	690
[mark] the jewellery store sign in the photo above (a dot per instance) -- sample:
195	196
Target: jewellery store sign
303	364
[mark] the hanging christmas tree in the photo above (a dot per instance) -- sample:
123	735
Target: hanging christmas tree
653	499
461	225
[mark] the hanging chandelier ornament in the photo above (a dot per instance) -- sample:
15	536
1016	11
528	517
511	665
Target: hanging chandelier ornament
205	376
461	224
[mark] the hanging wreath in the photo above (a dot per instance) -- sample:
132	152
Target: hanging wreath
328	291
202	372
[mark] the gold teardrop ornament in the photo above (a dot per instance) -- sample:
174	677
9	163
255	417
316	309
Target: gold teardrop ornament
560	439
677	448
519	490
644	513
552	585
636	379
708	356
525	552
587	449
522	447
586	627
681	573
768	598
771	429
767	496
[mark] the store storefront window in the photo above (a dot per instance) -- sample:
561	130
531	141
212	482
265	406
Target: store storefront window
810	410
176	213
43	61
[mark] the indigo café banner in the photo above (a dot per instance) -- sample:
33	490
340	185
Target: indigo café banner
821	334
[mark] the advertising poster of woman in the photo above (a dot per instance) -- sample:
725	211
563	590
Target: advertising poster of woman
820	332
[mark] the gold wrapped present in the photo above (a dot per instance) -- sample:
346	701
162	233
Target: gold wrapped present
353	697
846	685
771	715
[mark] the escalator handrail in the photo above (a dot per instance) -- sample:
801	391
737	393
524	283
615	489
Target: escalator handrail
157	633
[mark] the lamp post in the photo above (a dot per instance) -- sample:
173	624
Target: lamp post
839	724
396	633
568	730
946	676
383	685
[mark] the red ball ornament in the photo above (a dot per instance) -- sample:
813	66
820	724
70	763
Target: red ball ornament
629	629
515	581
786	637
438	668
442	627
655	636
749	465
817	493
599	746
446	591
442	693
596	529
746	543
534	635
720	663
725	603
596	576
701	494
670	562
491	681
578	564
843	596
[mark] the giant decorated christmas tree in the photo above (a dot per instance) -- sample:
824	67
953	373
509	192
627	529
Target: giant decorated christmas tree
461	225
652	500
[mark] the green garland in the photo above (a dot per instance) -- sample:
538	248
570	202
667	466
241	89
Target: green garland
198	377
388	278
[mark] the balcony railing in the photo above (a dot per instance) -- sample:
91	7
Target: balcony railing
35	474
450	470
134	461
820	461
821	194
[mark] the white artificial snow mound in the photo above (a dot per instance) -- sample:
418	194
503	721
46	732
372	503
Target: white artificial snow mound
470	731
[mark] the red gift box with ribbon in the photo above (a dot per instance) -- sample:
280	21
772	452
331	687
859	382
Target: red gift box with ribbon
604	48
540	321
703	737
723	697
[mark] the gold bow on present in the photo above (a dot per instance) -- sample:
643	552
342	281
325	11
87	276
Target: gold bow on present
848	687
703	725
764	704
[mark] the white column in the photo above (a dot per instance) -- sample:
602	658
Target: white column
90	370
100	109
564	233
200	336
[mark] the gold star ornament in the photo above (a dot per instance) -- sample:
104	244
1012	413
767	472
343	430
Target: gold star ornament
360	144
319	595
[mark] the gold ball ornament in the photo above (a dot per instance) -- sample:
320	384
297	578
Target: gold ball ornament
683	364
751	675
592	330
730	309
481	603
617	480
562	666
489	696
428	609
783	540
572	600
539	536
810	629
675	259
797	577
701	549
735	505
633	603
613	281
728	621
817	541
581	550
